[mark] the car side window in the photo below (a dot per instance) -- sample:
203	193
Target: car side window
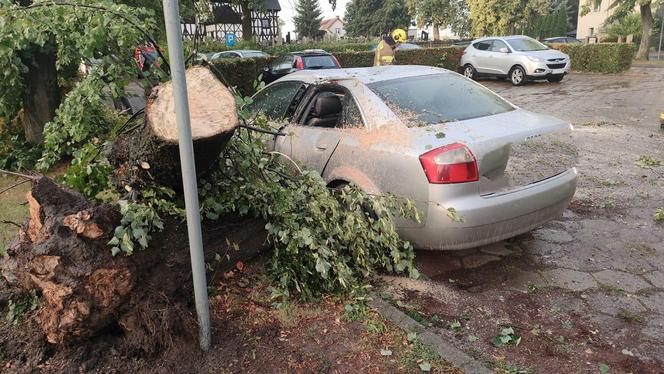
284	63
275	100
496	45
483	45
351	116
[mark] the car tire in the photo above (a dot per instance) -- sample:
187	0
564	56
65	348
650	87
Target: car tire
518	76
556	79
470	72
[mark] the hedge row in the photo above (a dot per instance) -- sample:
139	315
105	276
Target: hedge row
241	73
446	57
600	57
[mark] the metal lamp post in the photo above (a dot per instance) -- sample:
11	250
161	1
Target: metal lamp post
176	56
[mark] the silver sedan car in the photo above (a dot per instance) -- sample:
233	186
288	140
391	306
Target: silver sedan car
430	135
518	58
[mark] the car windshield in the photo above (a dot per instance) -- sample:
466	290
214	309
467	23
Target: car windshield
319	62
437	98
526	44
254	54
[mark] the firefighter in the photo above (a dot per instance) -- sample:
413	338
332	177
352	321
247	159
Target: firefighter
385	50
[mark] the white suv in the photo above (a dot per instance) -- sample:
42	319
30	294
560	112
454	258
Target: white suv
518	58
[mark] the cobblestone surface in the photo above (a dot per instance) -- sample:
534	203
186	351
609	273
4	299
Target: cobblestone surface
606	252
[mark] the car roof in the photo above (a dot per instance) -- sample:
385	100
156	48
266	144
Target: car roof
508	37
311	52
364	75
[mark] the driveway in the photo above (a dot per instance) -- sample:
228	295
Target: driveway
585	292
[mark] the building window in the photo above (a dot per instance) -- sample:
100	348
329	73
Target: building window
337	30
591	32
597	5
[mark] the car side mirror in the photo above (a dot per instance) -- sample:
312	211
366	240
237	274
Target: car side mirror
504	50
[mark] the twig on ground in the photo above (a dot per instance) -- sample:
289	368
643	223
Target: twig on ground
27	176
15	185
12	223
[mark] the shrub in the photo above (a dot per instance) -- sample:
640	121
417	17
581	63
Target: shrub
600	57
446	57
241	73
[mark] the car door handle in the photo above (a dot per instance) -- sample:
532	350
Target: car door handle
321	146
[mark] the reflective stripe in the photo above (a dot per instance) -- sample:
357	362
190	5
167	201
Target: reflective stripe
388	59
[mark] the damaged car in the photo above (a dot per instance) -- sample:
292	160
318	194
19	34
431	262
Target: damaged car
479	168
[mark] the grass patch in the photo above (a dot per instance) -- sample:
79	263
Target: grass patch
610	289
629	316
421	356
11	209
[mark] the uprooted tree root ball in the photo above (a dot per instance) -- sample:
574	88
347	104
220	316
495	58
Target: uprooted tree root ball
61	252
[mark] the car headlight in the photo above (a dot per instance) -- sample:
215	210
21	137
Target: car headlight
535	59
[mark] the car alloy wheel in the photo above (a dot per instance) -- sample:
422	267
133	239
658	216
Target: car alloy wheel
469	72
517	76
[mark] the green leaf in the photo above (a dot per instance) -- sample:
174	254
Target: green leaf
604	368
412	336
472	338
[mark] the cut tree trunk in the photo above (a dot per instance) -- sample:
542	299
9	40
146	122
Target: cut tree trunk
42	93
436	32
150	152
647	20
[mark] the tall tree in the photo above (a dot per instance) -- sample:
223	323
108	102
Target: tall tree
307	19
500	17
436	13
375	17
621	9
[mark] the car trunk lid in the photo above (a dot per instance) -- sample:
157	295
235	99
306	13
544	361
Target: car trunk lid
513	149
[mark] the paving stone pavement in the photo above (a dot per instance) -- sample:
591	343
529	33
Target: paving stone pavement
606	248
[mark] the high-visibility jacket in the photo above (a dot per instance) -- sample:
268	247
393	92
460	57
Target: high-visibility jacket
384	54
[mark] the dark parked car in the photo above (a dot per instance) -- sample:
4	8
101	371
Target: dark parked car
305	60
562	39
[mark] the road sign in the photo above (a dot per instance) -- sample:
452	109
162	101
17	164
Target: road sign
230	40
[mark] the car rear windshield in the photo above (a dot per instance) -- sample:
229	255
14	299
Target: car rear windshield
437	98
319	62
255	54
526	44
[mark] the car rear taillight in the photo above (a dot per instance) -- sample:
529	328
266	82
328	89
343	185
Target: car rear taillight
299	63
452	163
336	62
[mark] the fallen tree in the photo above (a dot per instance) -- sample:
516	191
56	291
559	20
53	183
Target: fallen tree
150	151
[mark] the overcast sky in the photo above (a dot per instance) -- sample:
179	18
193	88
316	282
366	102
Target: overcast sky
288	11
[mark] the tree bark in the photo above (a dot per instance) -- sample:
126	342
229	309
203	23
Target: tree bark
646	20
42	94
436	32
151	151
247	28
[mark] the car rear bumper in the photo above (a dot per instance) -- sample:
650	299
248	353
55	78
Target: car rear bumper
495	217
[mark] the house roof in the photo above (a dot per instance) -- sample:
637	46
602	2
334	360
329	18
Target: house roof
327	23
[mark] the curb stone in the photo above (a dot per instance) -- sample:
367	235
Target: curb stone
446	350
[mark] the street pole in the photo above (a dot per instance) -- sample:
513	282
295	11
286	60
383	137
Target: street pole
176	56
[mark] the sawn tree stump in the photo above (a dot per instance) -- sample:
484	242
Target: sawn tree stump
151	151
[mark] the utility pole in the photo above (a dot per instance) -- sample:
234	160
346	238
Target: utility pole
176	56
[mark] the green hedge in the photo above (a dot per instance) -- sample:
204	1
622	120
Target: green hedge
446	57
600	57
241	73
